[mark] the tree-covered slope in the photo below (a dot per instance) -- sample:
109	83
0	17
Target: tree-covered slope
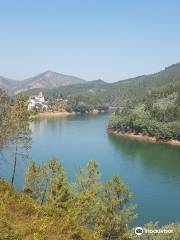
118	93
158	114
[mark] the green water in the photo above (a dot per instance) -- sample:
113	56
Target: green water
152	171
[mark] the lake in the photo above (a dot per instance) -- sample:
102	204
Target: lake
152	171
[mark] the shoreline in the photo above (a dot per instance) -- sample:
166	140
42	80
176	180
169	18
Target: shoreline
141	137
62	114
55	114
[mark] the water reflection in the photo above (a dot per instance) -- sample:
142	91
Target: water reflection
159	157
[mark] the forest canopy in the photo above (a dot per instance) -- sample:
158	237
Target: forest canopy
157	114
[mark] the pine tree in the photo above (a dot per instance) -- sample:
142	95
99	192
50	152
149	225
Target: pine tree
48	183
103	207
114	215
58	192
20	131
34	179
4	118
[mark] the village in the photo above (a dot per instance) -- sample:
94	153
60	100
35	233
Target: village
42	104
71	105
38	102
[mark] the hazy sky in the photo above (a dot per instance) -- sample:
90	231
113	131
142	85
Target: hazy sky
107	39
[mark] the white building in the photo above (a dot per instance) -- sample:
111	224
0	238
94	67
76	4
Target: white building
37	102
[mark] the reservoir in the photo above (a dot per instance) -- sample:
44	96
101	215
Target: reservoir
152	171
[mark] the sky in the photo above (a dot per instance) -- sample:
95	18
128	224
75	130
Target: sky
91	39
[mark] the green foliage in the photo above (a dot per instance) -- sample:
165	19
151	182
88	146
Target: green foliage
14	117
48	183
114	215
84	210
84	104
58	192
21	217
89	176
101	208
19	114
20	131
34	180
4	118
157	115
14	127
118	93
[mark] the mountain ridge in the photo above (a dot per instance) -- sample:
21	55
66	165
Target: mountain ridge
68	84
118	93
46	80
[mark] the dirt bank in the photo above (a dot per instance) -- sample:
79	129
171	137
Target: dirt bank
142	137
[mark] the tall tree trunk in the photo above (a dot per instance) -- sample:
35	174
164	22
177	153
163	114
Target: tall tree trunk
14	167
44	193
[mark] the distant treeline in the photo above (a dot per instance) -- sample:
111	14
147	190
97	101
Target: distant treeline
116	94
76	103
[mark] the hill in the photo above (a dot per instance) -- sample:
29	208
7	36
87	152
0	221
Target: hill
8	84
112	94
118	93
45	80
157	116
136	88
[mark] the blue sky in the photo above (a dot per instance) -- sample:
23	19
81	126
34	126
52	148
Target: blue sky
107	39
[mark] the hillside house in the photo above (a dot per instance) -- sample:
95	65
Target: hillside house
37	102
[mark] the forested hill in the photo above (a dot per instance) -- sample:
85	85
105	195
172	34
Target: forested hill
157	115
118	93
